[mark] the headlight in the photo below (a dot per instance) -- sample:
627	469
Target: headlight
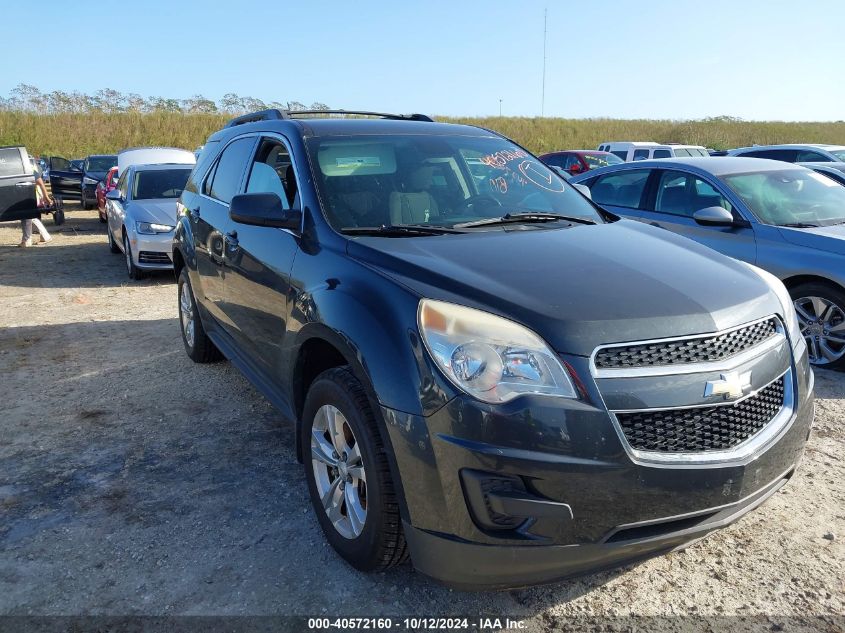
150	228
90	181
789	315
488	357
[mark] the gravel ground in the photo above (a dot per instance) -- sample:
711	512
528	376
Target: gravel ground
135	482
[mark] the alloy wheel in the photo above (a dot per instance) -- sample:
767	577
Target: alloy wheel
339	471
823	328
186	314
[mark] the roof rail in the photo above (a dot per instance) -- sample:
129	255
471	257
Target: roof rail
262	115
277	115
381	115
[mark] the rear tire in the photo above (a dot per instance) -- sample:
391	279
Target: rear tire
821	315
346	464
198	346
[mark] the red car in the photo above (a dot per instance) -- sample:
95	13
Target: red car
576	161
103	187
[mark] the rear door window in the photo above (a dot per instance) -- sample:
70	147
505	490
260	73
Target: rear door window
809	156
662	153
623	189
227	175
623	154
640	154
11	162
786	155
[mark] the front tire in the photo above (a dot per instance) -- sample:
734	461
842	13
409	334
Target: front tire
132	270
348	474
198	346
821	315
113	247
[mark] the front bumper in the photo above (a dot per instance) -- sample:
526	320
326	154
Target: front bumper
596	507
152	252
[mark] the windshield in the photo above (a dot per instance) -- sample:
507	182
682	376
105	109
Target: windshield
840	154
601	160
159	183
100	163
791	196
441	181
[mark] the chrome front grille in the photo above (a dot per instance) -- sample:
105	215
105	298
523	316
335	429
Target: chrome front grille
687	350
661	398
699	429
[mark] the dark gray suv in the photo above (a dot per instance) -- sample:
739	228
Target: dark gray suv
486	371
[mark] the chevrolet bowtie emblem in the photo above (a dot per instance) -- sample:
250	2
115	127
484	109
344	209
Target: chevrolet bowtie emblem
732	385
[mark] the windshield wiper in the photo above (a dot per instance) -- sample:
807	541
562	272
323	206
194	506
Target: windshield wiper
517	218
800	225
401	230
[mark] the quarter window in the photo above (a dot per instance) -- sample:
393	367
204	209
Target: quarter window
640	154
621	189
226	175
662	153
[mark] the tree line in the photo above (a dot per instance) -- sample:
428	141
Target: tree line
28	98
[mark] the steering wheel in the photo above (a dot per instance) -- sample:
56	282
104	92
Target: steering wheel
470	202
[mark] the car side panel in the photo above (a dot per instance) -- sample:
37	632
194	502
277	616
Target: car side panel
17	193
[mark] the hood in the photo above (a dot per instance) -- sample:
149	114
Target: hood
822	238
579	287
157	211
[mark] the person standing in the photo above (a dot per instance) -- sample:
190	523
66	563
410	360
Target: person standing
43	199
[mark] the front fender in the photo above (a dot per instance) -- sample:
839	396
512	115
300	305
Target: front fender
372	322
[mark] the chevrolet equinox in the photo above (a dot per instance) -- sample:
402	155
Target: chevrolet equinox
488	373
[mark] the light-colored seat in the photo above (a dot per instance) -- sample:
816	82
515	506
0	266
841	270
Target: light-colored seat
264	179
416	206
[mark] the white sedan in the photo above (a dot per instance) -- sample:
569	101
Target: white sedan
141	215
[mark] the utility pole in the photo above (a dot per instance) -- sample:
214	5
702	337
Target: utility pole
543	95
500	107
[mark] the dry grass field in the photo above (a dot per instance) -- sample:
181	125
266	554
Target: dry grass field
77	135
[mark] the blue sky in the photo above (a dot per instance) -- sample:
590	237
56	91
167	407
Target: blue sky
754	59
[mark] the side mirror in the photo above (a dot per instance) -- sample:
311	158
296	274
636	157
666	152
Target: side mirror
114	194
714	216
585	190
263	209
577	168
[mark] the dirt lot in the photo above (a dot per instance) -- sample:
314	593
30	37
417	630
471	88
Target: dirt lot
135	482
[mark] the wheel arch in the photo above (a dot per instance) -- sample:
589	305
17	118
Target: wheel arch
797	280
318	349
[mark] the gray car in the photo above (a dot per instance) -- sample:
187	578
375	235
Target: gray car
141	215
793	153
834	171
784	218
